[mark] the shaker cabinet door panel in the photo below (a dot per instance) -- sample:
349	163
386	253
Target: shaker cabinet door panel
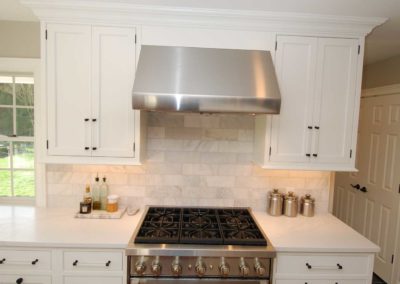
68	89
113	76
295	66
335	100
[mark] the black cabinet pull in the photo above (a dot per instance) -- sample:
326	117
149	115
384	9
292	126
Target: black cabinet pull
309	127
308	155
2	261
94	148
339	266
35	261
94	119
19	280
108	263
87	148
364	189
316	127
86	119
75	263
357	186
315	155
308	266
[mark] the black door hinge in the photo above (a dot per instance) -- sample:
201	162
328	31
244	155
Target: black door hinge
135	38
134	147
270	150
351	153
392	258
276	45
45	35
359	49
47	144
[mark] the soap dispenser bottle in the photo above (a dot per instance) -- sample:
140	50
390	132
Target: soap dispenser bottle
103	194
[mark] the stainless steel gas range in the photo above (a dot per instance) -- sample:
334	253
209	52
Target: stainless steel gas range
199	245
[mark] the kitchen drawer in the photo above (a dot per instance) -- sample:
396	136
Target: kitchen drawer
334	264
321	281
24	279
92	280
93	260
25	260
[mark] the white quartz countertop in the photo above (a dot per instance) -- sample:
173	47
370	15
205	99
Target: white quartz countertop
40	227
321	233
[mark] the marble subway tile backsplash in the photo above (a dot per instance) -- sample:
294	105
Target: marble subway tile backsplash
192	160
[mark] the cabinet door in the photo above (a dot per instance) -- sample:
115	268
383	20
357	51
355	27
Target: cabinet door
93	280
113	75
68	89
335	100
295	66
25	279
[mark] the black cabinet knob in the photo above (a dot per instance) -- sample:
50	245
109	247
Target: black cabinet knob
308	155
94	148
108	263
35	261
2	260
87	148
357	186
75	263
309	127
316	127
339	266
308	266
364	189
94	119
86	119
19	280
315	155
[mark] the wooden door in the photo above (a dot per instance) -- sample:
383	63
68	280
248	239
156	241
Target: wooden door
295	62
113	76
336	82
376	203
68	89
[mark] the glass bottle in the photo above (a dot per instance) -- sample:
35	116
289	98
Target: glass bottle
96	194
103	194
87	197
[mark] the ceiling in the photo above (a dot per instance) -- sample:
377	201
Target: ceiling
382	43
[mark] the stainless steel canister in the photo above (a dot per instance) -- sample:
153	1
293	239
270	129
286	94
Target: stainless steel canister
307	206
275	202
290	205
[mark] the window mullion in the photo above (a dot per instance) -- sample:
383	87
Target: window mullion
11	153
14	108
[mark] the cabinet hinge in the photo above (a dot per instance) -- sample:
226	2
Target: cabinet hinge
45	34
135	38
47	144
351	153
392	258
276	45
359	49
134	147
270	149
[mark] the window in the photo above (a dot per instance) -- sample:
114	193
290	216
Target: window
17	173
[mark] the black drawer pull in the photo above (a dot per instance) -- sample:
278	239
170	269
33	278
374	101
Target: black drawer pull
19	280
2	261
308	155
357	186
86	119
364	189
339	266
94	148
308	266
316	127
75	263
309	127
315	155
35	261
94	119
108	263
87	148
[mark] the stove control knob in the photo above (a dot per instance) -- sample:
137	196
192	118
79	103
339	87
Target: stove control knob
259	268
140	267
200	267
156	268
244	268
223	268
176	268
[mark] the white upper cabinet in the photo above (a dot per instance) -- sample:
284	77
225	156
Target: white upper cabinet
318	79
113	72
89	77
68	89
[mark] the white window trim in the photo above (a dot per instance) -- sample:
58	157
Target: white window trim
31	65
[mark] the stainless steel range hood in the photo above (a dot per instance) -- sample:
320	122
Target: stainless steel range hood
190	79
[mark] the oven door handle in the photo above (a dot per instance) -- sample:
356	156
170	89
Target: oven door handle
144	280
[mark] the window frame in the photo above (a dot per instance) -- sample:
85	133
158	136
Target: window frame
21	67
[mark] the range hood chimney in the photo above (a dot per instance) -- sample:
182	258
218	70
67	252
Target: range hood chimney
191	79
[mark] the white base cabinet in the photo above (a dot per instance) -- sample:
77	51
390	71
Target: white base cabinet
323	268
62	266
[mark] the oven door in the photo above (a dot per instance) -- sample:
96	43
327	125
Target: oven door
196	281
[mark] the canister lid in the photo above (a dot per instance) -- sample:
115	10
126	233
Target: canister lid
275	193
308	199
290	196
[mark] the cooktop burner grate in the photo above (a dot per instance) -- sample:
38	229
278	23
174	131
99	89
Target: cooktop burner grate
215	226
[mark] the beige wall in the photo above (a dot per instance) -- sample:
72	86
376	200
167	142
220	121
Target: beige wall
19	39
382	73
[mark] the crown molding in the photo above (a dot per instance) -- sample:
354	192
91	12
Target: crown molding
381	91
125	13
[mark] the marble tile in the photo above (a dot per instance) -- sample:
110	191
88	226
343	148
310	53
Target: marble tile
221	134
